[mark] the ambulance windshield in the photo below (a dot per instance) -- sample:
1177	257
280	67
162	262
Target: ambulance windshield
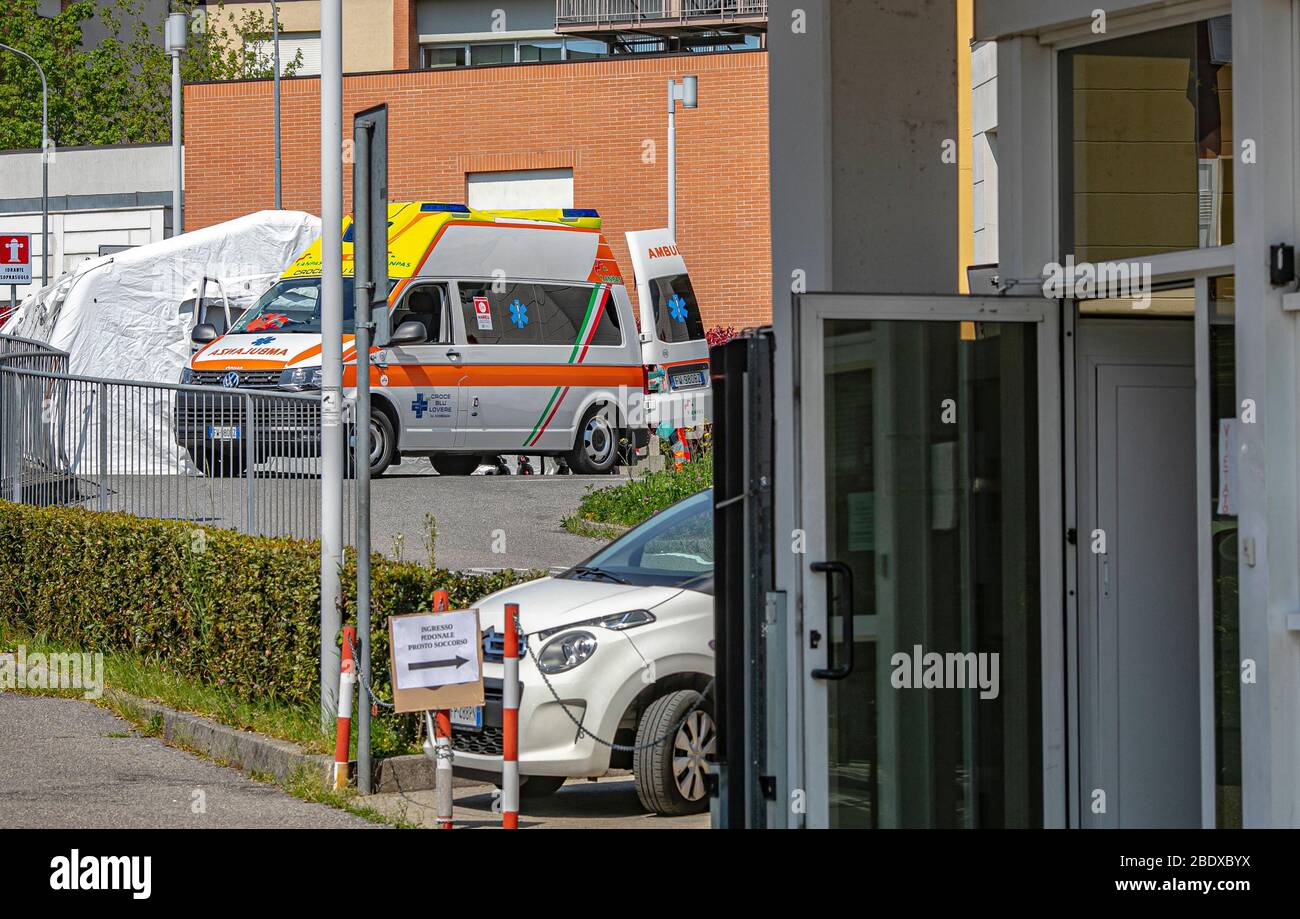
293	305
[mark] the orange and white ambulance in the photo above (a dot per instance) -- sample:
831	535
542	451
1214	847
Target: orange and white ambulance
510	332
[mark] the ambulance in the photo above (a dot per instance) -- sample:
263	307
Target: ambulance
674	346
509	332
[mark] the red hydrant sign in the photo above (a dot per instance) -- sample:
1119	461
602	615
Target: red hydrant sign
437	660
15	258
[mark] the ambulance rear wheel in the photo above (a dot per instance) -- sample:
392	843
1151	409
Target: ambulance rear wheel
596	449
455	465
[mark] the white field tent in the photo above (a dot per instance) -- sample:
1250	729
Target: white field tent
126	317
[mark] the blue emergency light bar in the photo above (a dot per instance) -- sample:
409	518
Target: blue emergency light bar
434	207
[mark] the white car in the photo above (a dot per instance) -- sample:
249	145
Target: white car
625	642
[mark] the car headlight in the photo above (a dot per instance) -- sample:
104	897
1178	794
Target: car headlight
615	621
300	378
187	376
566	652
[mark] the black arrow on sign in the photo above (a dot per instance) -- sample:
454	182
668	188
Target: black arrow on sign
430	665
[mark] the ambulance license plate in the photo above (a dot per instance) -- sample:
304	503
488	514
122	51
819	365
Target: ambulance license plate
223	432
687	380
468	716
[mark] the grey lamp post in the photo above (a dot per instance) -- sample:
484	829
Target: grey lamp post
687	93
177	35
275	53
45	166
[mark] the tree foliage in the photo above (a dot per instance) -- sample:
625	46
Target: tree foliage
119	91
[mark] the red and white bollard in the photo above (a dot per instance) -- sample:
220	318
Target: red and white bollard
441	736
510	723
343	727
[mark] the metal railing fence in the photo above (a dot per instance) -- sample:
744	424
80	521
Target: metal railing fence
654	12
241	459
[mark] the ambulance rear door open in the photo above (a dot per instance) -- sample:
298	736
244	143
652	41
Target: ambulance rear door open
673	343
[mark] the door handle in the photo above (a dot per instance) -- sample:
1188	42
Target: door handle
453	354
831	671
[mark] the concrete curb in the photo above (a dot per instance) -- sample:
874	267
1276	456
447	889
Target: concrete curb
414	772
257	753
243	749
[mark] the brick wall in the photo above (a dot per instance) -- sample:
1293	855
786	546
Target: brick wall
406	41
594	117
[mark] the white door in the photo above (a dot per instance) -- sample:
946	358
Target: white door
1139	679
423	381
674	344
930	514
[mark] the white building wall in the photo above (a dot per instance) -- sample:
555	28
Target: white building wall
984	148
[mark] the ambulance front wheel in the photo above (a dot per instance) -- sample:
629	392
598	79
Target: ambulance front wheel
383	445
596	448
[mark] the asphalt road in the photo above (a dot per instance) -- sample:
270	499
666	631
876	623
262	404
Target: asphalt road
477	515
483	521
65	763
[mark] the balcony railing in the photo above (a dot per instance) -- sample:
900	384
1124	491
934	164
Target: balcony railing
657	14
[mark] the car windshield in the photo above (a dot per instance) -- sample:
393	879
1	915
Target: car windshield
674	548
293	305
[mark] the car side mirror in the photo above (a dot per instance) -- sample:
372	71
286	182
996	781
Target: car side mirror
204	333
409	332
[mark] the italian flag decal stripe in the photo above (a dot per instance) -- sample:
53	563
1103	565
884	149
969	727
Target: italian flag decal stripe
590	322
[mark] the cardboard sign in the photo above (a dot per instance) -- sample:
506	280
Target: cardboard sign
436	660
15	258
483	311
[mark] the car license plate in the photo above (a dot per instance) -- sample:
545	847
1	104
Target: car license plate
468	716
687	380
223	432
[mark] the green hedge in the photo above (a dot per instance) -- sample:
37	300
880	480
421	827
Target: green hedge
213	605
639	499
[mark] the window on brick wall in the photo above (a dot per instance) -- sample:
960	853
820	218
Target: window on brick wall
522	188
524	51
291	45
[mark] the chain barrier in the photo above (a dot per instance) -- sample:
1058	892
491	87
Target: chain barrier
361	678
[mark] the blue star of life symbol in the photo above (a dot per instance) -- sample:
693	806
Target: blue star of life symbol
265	340
420	405
518	314
677	308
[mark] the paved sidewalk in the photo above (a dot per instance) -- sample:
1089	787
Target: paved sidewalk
66	763
608	803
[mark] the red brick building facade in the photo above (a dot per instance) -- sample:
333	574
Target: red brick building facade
604	119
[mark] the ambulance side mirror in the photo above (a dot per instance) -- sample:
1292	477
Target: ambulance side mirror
409	333
204	333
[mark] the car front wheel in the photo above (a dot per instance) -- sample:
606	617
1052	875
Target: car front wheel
670	775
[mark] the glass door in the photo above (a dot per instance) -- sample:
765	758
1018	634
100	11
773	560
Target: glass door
931	540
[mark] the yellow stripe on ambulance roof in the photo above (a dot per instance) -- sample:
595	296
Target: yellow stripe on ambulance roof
414	226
